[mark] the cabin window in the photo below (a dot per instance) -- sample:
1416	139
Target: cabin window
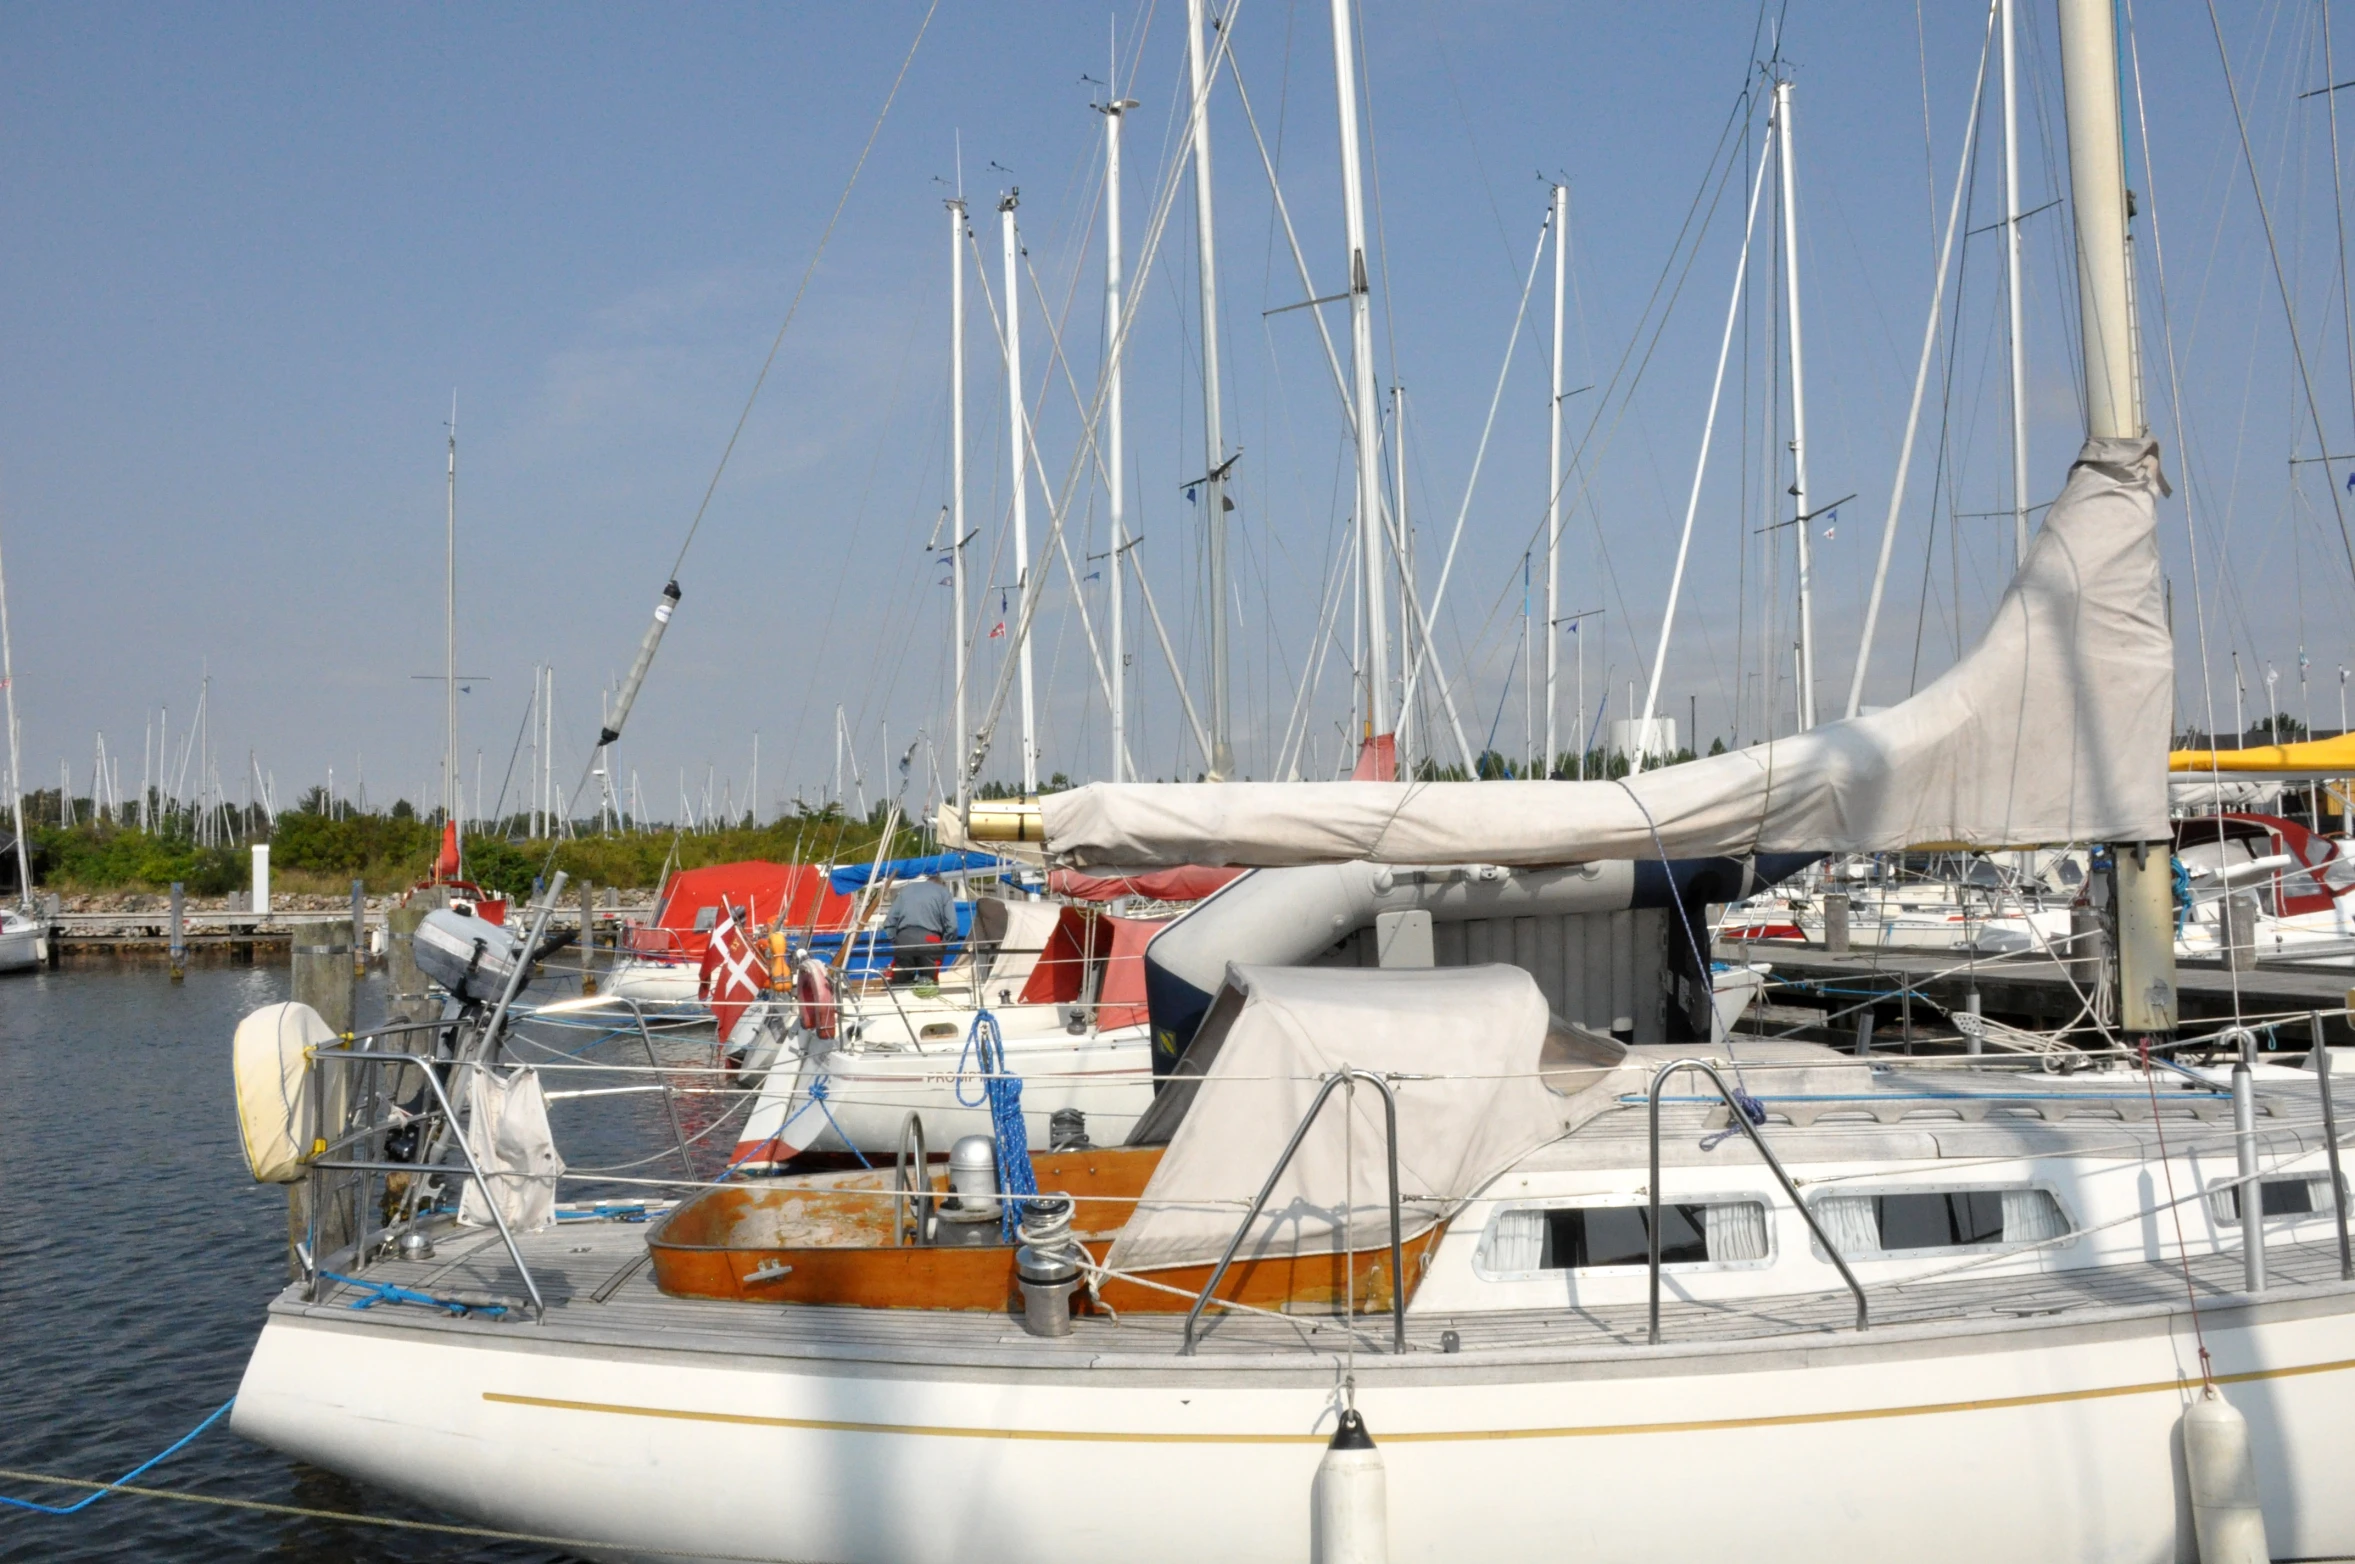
2307	1194
1914	1221
1576	1238
705	917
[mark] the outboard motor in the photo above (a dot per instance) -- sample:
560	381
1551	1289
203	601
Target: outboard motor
471	957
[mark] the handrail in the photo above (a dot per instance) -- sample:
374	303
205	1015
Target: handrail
1742	1121
425	1067
1397	1265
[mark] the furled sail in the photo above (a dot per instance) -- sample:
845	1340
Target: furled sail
2053	728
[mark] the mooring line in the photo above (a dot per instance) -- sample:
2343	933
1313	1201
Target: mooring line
390	1522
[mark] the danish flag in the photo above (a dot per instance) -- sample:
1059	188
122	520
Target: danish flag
732	976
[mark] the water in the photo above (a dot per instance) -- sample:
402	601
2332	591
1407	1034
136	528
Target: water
136	1257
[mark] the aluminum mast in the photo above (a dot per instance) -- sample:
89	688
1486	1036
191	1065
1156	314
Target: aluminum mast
1361	356
1018	434
2113	410
958	624
1800	517
1553	485
2011	273
1214	500
1115	481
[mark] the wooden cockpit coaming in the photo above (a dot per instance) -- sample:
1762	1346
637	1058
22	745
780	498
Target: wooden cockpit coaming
828	1239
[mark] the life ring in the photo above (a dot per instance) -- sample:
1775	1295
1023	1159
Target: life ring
814	991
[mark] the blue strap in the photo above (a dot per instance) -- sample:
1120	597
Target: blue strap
178	1445
386	1292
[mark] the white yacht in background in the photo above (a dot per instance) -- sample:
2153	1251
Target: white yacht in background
20	941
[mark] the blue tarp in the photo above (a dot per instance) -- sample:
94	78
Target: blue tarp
852	877
870	955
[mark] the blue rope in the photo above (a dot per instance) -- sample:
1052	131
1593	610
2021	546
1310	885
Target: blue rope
818	1096
987	1047
386	1292
178	1445
2182	877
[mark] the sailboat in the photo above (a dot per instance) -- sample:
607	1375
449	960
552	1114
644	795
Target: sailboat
1399	1264
20	931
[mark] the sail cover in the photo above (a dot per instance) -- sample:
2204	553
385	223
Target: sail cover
2054	728
1466	1044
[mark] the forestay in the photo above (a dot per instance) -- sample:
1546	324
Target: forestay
1465	1045
2054	728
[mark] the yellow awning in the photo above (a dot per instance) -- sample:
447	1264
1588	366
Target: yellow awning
2314	759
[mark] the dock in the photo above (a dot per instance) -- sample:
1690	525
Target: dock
1818	993
215	937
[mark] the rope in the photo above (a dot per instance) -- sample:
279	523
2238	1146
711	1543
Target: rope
986	1047
103	1489
386	1292
394	1523
808	272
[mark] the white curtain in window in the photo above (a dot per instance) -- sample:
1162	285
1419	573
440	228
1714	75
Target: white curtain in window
1517	1241
2031	1215
1737	1231
1848	1221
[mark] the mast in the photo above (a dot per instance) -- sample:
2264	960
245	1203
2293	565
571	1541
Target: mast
1790	188
1361	356
2113	410
957	613
1115	479
16	792
2011	273
1553	485
450	636
1018	433
1214	444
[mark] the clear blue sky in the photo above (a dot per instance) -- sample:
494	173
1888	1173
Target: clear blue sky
252	250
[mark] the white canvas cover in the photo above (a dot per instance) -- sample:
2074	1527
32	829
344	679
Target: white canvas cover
1029	924
1466	1039
2054	728
271	1060
507	1131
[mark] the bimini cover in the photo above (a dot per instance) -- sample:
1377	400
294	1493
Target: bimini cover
507	1131
271	1057
2054	728
1466	1043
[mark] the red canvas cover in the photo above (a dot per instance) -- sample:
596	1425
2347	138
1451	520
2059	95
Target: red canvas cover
760	889
1061	974
1191	883
1378	761
1121	1001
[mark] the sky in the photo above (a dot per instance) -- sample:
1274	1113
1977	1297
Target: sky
255	253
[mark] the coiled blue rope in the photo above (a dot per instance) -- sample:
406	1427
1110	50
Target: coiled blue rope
986	1047
79	1505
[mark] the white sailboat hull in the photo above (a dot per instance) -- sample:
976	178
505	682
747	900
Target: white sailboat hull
20	946
2015	1440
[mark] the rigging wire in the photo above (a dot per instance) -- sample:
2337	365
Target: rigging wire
2280	281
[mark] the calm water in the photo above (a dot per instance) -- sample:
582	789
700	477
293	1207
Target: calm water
135	1260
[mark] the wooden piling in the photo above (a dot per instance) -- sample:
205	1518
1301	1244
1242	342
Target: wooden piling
359	928
588	938
179	933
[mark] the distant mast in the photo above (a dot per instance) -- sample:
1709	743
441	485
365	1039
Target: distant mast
450	790
16	792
